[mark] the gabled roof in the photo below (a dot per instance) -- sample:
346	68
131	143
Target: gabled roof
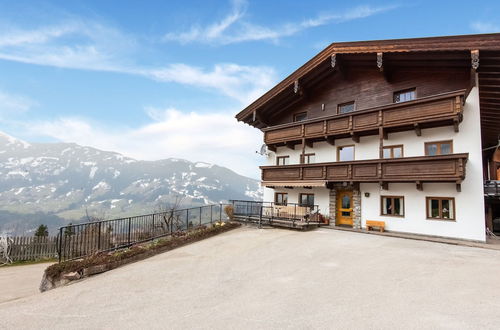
432	44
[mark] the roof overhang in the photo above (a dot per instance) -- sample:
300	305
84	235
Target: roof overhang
454	51
293	183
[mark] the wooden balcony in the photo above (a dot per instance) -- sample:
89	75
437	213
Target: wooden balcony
439	110
444	168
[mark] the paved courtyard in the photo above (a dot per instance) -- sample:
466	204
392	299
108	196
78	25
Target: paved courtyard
270	278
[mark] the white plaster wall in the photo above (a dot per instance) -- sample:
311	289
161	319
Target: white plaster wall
469	203
367	148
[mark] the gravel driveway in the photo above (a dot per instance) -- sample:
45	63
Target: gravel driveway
271	278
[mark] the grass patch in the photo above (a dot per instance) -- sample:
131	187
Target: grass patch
30	262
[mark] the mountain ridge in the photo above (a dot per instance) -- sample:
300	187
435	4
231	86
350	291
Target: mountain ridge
67	181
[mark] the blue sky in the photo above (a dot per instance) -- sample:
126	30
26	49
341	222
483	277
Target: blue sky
159	79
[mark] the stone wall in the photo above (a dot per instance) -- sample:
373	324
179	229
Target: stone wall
356	201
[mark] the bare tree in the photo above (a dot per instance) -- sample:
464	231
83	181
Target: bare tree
171	217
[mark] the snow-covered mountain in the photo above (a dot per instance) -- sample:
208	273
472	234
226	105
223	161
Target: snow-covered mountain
65	180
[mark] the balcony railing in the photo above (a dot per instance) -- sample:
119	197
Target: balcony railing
443	168
492	188
282	215
438	110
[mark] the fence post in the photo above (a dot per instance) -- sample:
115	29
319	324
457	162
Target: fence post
200	215
211	213
59	243
99	237
187	219
260	215
220	212
129	226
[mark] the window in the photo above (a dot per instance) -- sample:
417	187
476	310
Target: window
438	148
346	107
280	198
393	205
345	153
282	160
308	158
306	200
300	116
393	151
441	208
405	95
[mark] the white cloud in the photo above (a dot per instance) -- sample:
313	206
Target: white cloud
93	46
233	28
11	104
210	137
243	83
484	27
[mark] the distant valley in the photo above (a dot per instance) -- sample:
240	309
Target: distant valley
57	183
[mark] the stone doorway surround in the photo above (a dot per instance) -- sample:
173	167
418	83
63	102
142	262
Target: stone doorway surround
356	200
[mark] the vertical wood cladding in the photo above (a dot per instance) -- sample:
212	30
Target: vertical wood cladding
368	88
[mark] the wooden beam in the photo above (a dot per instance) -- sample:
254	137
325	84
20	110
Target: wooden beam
288	187
290	145
455	125
307	187
330	140
379	62
384	185
420	186
271	147
333	60
418	131
459	187
355	137
309	143
474	57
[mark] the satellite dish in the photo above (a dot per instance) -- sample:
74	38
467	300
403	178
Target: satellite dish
263	150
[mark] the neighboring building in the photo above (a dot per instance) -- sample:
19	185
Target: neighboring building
389	130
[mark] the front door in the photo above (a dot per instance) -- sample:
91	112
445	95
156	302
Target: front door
344	207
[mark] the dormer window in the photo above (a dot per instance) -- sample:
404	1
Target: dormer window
300	116
405	95
346	107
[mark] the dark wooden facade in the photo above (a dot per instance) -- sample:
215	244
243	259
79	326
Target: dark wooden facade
431	111
441	70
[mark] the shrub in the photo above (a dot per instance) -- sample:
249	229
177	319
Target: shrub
229	209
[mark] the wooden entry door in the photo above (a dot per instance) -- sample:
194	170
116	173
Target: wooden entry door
344	208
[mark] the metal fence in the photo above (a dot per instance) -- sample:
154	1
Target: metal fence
80	240
269	211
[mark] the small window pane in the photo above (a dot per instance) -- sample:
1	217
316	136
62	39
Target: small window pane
404	96
445	208
281	198
307	199
283	160
445	148
387	153
432	149
397	206
346	153
300	116
386	204
346	202
346	107
346	214
397	152
433	208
